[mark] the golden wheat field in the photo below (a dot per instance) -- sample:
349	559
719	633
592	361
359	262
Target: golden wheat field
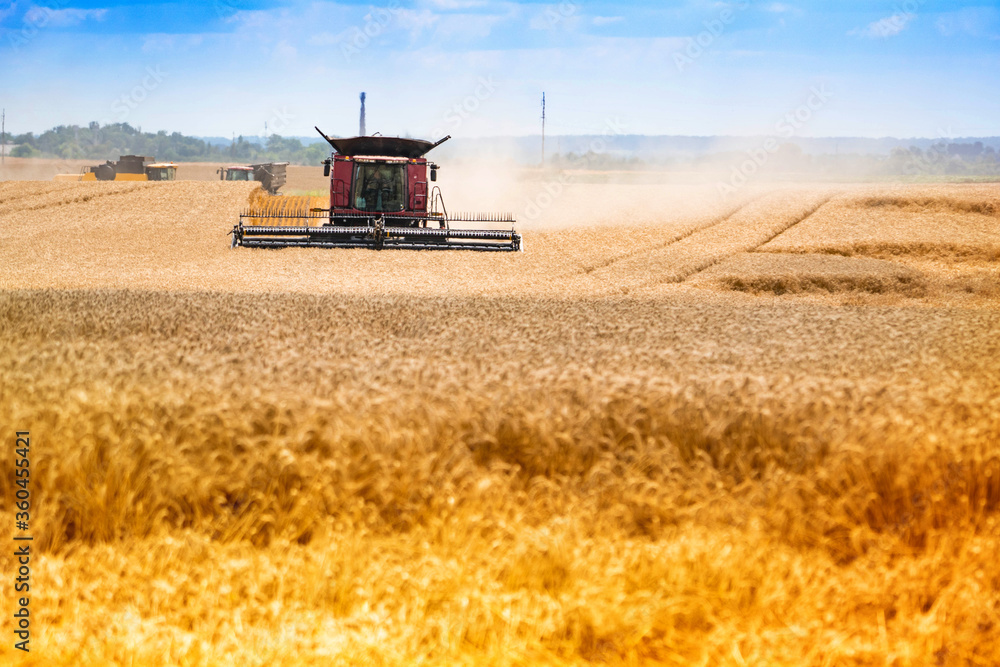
676	430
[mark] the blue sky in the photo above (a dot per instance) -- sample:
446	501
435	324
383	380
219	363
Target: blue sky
470	68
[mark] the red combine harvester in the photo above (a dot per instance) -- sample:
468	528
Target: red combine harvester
380	197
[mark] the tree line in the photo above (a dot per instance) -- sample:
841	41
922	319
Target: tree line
105	142
99	143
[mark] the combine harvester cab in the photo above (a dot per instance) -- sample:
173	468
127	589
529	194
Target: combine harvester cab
270	175
161	171
380	197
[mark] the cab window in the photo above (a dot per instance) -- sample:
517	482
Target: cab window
379	187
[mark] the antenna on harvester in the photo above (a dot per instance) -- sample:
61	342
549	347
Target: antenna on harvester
543	129
362	132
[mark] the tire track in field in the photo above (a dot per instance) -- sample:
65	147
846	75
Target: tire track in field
770	238
752	225
67	198
18	190
695	228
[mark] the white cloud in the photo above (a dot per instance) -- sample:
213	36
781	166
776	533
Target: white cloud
449	5
972	21
416	21
778	8
606	20
890	26
461	28
61	18
284	53
325	38
159	42
565	16
7	11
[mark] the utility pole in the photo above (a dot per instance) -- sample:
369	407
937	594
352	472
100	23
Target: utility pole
543	128
3	136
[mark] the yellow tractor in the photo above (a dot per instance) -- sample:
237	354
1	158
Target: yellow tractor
127	168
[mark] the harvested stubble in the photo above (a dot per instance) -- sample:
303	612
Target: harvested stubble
744	228
948	234
173	236
19	169
787	273
369	470
34	196
953	220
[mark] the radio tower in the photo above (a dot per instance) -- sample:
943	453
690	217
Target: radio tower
362	133
543	129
